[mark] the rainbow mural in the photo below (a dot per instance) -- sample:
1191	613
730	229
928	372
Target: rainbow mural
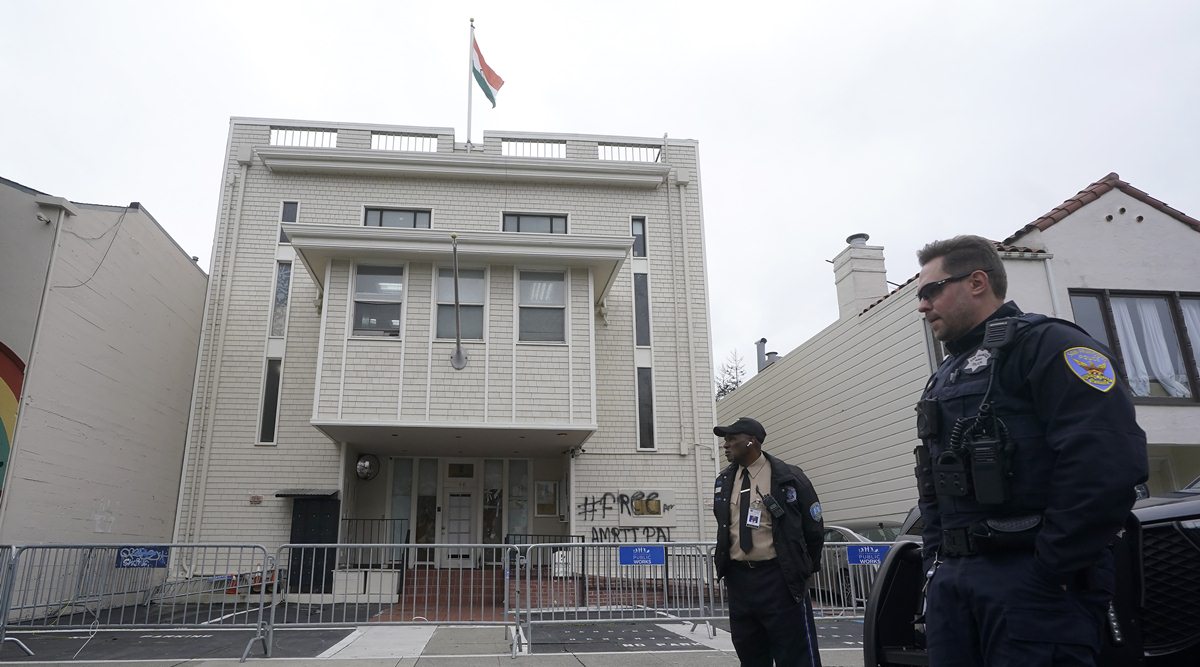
12	372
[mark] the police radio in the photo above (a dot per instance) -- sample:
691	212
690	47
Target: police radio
989	470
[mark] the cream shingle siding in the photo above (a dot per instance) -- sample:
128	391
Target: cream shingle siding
588	380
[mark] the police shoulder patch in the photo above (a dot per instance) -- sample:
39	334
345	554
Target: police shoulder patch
1093	368
815	511
790	492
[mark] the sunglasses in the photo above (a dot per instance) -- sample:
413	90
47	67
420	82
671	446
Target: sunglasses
931	290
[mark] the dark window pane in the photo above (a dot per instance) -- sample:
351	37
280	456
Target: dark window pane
510	223
423	219
290	210
641	301
471	317
382	281
372	218
376	319
1089	316
535	224
542	324
558	226
399	219
639	237
283	238
266	430
645	390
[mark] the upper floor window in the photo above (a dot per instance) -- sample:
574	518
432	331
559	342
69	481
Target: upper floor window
290	212
396	217
535	224
639	236
1155	338
641	309
543	307
471	287
378	299
279	307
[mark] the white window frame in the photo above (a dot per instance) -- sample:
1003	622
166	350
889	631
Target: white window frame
262	404
392	207
438	301
287	306
565	216
402	301
637	409
517	305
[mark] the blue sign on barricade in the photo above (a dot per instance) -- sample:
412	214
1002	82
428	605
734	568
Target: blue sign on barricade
642	555
142	557
866	554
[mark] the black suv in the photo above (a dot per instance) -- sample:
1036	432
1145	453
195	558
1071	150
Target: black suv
1156	605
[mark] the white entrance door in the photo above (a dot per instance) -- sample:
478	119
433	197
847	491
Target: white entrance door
459	524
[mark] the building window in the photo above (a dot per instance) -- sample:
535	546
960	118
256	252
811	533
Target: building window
279	308
639	236
397	218
535	224
289	213
543	307
1154	337
270	402
645	408
378	297
471	287
641	309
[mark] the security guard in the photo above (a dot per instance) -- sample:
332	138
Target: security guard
1026	471
769	540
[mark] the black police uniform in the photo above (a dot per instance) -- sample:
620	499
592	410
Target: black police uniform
1026	474
770	615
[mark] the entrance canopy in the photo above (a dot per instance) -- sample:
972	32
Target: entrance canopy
458	439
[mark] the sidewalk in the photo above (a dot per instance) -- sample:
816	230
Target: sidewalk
440	646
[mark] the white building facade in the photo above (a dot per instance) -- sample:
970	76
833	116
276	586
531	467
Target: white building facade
327	406
1112	259
99	328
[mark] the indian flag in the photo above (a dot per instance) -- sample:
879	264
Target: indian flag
485	76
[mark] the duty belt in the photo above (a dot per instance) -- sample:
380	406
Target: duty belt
991	536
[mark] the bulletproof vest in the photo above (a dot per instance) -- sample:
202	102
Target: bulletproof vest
952	398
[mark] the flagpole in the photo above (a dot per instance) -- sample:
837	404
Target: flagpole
470	77
458	360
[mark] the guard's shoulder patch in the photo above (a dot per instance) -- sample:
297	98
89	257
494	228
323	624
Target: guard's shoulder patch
815	511
1093	368
790	492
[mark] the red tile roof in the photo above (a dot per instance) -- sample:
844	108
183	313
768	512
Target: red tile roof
1093	192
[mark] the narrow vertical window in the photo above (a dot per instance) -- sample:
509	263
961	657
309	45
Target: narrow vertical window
641	309
645	402
290	213
279	307
270	402
639	236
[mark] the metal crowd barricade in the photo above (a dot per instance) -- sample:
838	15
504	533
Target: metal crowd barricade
105	586
848	570
568	583
393	584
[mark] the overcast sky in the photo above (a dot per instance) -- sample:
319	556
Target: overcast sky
906	120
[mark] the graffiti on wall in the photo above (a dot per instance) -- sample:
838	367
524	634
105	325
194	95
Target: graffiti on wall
12	374
631	534
630	509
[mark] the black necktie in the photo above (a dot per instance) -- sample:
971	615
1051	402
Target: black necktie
744	538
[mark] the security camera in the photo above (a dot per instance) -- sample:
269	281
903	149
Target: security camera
43	218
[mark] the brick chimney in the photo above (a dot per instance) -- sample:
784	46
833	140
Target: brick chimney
860	276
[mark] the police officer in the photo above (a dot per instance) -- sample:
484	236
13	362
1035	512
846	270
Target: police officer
1026	471
769	539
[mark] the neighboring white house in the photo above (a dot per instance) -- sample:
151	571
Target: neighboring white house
327	405
99	325
1113	259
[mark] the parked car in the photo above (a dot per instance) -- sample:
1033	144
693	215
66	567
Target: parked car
837	582
1156	605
